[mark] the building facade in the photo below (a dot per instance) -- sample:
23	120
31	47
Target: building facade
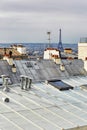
82	51
50	52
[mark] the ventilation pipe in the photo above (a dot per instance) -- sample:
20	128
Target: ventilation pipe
6	88
3	78
25	82
29	83
22	81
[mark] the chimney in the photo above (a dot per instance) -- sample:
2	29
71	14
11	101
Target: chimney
10	54
13	68
4	51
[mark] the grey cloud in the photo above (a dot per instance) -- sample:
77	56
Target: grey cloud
30	19
73	6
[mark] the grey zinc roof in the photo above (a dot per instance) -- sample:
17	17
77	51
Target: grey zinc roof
46	69
44	107
74	67
42	70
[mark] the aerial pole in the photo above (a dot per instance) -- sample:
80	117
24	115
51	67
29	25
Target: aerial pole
60	46
49	40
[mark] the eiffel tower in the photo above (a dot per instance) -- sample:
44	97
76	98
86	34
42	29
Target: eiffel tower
60	46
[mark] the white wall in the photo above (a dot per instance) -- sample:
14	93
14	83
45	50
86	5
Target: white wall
9	60
21	50
85	65
82	51
47	53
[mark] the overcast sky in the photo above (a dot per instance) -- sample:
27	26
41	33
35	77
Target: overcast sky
30	20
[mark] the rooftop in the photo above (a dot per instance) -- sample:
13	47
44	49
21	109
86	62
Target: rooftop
41	70
51	49
44	107
14	52
68	49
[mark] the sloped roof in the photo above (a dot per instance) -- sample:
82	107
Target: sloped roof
42	70
67	48
51	49
46	69
44	107
74	67
14	52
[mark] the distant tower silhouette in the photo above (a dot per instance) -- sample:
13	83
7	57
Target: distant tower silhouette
60	46
49	38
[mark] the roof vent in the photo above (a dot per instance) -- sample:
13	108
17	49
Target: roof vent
28	64
5	99
38	59
62	67
25	82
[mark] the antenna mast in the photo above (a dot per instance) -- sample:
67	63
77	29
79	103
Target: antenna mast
49	38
